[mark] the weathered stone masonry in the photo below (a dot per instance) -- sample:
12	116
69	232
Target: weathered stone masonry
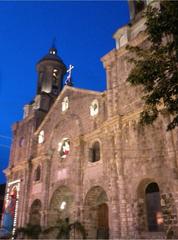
138	166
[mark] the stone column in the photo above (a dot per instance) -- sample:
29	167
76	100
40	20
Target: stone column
115	89
79	150
109	91
119	161
27	191
22	199
108	144
27	181
46	187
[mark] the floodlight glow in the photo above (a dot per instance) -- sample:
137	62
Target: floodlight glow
63	205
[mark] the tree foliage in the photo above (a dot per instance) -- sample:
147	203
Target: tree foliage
156	66
31	231
64	228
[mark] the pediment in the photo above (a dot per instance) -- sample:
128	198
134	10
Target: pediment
66	93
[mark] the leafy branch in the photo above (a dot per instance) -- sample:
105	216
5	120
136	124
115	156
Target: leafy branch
155	64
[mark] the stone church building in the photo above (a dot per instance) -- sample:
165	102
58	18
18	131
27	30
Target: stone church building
82	155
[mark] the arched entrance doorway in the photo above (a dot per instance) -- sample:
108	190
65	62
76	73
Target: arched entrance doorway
96	214
149	211
61	206
153	207
35	213
102	224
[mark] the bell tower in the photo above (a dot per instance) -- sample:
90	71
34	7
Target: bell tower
136	8
51	70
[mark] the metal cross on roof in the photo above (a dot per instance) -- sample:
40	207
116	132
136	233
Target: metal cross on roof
68	80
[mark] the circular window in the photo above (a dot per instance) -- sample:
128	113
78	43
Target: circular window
94	108
64	148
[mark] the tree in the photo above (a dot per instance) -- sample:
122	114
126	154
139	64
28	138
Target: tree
155	67
30	231
64	228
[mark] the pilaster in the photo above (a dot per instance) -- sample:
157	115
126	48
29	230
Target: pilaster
46	181
122	202
109	92
114	224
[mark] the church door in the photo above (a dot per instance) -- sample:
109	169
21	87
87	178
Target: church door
153	207
103	226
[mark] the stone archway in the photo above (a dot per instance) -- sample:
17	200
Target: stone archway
61	206
149	211
153	207
96	213
35	212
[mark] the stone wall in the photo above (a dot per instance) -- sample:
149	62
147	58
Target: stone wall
131	157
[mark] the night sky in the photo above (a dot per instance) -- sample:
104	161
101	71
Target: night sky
83	32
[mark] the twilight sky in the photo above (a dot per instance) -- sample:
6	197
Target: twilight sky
83	32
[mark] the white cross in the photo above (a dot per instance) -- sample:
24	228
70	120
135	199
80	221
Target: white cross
70	71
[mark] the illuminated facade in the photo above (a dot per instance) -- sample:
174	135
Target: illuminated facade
81	155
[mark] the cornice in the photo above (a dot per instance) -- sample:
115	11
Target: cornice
132	116
110	125
109	58
18	167
42	158
114	54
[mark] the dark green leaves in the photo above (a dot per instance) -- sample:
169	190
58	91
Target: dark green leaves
156	64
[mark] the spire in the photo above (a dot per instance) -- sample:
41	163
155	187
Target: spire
54	43
52	53
53	49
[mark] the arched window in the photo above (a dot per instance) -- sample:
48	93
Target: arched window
95	152
37	175
65	104
22	142
41	137
35	212
153	207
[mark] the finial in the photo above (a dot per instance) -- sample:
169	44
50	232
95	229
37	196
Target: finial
53	50
68	80
54	43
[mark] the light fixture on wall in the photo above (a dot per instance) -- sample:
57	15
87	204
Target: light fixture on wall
63	205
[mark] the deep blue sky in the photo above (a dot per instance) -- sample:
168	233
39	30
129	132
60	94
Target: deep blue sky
83	32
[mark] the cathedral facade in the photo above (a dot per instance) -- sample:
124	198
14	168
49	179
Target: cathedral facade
82	155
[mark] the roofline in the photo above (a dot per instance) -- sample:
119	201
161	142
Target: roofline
81	90
58	99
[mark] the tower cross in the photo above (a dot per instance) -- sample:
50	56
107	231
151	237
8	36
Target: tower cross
69	79
70	71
